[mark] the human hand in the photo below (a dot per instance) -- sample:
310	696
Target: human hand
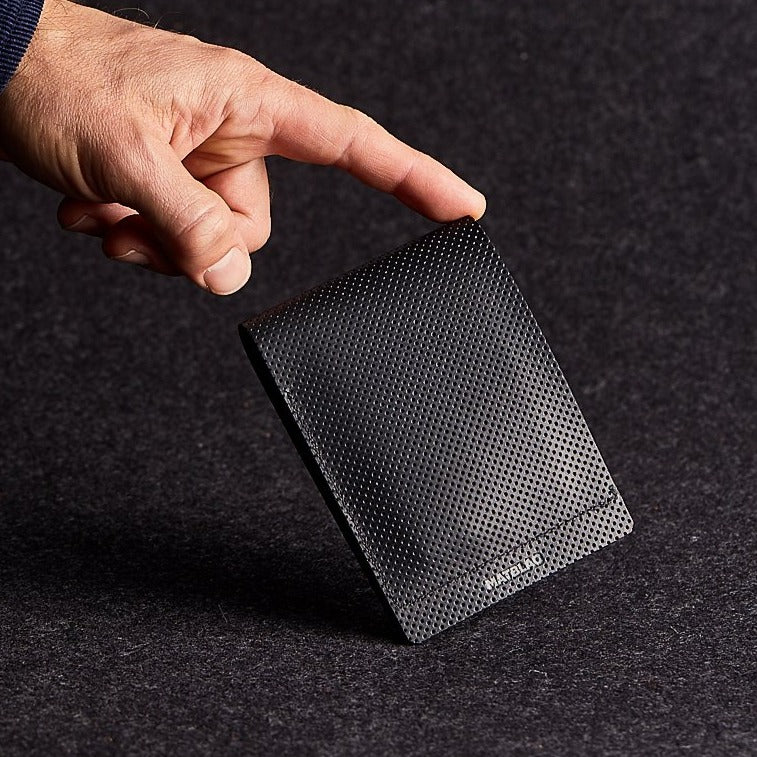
158	141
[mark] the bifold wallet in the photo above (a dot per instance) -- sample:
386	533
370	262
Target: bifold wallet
432	414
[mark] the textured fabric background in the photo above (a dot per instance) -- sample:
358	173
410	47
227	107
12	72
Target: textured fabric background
170	581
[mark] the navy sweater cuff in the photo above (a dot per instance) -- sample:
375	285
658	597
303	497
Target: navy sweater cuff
18	20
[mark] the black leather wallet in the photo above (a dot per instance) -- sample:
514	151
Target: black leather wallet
429	409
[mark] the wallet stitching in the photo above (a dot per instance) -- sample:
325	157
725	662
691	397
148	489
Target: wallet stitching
612	499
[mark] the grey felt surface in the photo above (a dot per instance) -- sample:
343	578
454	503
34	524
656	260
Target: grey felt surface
170	581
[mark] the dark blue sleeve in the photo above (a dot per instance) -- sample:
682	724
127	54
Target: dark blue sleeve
18	20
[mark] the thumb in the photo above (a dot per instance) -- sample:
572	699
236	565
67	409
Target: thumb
195	226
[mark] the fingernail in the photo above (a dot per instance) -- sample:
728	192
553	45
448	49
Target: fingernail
230	273
84	225
133	256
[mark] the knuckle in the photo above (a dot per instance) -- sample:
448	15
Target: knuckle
192	40
253	90
356	123
359	119
200	225
234	59
273	101
228	66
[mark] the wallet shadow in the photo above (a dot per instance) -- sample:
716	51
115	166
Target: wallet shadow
302	581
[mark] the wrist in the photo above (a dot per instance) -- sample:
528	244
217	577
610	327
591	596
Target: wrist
19	99
51	23
18	21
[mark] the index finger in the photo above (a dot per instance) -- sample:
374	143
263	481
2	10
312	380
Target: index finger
310	128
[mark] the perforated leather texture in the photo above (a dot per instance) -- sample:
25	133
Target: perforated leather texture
431	412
